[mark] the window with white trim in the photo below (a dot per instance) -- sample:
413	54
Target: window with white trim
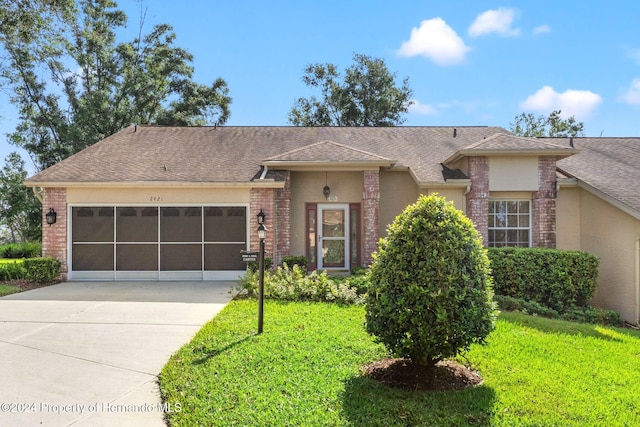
509	223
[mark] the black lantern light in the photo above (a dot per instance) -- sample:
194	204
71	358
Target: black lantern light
51	216
326	190
261	215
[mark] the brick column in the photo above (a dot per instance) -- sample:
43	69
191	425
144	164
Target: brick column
478	196
370	215
262	198
54	237
283	220
543	210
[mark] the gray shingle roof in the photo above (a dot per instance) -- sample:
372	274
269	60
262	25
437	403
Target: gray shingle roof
234	154
610	165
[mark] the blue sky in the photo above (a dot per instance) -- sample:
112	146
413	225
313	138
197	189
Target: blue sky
468	62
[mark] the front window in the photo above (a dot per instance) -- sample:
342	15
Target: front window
509	223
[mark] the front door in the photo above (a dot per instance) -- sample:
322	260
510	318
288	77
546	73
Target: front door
333	236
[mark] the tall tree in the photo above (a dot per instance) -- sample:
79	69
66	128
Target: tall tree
73	84
368	95
553	125
19	208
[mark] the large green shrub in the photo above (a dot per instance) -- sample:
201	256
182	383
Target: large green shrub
554	278
430	294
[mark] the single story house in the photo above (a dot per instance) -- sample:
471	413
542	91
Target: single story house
180	203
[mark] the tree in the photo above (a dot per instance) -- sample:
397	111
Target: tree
430	294
19	208
367	96
73	84
552	126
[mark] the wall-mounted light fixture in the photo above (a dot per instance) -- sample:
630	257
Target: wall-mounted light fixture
326	190
261	216
51	216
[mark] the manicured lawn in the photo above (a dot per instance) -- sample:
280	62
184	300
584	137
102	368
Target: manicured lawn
305	370
8	290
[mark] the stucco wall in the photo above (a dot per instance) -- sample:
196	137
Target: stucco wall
513	173
612	235
157	195
568	221
397	191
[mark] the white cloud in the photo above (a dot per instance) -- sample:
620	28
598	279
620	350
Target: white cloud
578	103
541	29
436	41
422	109
495	21
632	94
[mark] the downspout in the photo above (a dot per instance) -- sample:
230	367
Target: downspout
467	190
265	169
38	194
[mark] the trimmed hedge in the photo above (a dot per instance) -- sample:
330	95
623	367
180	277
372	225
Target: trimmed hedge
557	279
12	271
292	260
42	270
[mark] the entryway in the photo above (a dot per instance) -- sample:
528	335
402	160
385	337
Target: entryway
333	236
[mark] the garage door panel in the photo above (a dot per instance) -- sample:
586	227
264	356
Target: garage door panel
136	224
137	257
93	257
181	257
223	257
182	224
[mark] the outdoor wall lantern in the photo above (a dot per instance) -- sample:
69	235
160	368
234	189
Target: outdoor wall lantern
51	216
326	190
262	234
261	215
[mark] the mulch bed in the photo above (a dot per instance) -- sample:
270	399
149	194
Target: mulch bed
401	373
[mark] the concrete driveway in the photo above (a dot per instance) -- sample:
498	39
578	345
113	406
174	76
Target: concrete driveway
89	353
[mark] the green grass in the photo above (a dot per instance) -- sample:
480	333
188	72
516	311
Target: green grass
8	290
305	370
11	260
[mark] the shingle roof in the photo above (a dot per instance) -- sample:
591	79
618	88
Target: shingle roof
610	165
234	154
327	151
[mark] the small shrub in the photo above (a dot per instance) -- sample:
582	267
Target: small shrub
300	260
294	284
255	265
12	271
430	293
20	250
42	270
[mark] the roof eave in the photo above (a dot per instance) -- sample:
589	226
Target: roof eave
558	154
265	183
327	165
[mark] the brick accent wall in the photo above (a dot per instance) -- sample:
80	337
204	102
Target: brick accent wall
370	215
283	220
543	209
262	198
54	237
478	196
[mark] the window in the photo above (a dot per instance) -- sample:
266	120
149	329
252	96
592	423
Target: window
509	223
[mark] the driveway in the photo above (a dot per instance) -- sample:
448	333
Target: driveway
89	353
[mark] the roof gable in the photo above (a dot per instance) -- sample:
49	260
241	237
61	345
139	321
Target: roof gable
326	152
501	144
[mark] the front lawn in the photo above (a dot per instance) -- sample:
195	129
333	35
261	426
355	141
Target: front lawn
305	369
8	289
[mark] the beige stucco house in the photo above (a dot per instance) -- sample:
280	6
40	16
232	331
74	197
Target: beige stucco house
180	203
